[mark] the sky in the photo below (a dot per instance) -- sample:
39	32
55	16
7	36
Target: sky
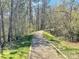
56	2
77	1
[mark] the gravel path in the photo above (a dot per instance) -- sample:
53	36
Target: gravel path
42	49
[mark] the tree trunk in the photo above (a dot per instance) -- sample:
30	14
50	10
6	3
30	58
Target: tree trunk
30	11
44	5
10	33
3	30
37	18
0	27
2	42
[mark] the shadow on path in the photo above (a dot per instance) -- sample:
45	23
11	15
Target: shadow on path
42	49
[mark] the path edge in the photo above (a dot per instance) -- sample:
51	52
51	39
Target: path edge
29	56
58	50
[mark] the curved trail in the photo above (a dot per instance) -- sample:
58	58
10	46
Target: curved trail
42	49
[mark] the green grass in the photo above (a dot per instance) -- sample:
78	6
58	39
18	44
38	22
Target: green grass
68	48
50	37
20	49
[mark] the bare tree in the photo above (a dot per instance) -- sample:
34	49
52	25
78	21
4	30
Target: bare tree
44	6
37	17
10	33
30	11
0	26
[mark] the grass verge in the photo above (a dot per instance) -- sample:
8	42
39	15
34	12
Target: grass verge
20	50
68	48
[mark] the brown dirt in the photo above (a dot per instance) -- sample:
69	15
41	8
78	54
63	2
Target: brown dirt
42	49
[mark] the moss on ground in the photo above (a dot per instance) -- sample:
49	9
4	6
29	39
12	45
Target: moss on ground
50	37
68	48
20	50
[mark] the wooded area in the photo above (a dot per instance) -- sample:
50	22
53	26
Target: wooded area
22	17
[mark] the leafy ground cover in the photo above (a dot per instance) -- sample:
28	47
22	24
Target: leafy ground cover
70	49
20	50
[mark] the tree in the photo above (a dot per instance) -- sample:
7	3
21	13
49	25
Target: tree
37	16
2	26
44	6
10	33
30	11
